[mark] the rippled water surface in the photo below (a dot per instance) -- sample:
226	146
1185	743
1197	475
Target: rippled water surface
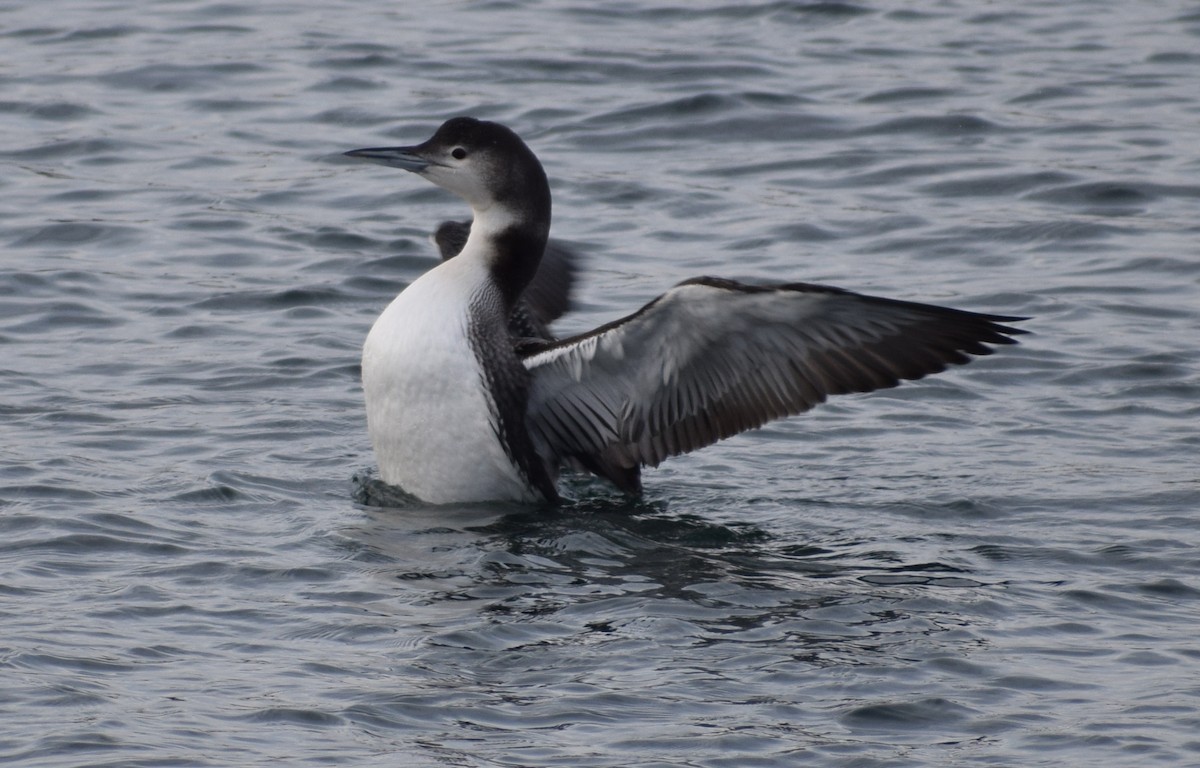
997	566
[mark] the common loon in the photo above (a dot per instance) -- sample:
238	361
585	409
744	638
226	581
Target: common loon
460	410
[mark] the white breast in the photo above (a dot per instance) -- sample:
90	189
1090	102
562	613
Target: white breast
430	416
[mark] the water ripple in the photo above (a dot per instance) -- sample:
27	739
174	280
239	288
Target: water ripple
996	566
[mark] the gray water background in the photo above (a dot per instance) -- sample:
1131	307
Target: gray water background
997	566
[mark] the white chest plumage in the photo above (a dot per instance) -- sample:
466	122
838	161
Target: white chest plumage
431	418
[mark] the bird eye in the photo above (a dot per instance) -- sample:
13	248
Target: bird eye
458	153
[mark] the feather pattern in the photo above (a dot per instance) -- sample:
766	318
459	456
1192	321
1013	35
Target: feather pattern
713	357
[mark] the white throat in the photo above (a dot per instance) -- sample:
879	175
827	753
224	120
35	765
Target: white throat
486	225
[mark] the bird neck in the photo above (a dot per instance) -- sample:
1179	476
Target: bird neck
510	242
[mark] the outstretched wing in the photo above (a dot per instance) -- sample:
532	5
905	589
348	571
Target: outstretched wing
712	357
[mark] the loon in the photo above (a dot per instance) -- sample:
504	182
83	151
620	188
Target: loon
459	409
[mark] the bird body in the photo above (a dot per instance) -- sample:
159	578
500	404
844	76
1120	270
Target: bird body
461	407
421	377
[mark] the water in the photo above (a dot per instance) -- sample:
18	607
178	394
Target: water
995	567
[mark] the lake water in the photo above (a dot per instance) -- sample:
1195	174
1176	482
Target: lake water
997	566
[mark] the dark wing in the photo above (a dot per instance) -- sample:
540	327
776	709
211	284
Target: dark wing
548	296
450	237
711	358
549	293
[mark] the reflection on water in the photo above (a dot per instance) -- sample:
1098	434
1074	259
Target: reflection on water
590	558
556	616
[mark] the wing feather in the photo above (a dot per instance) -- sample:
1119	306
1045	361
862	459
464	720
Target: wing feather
711	358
